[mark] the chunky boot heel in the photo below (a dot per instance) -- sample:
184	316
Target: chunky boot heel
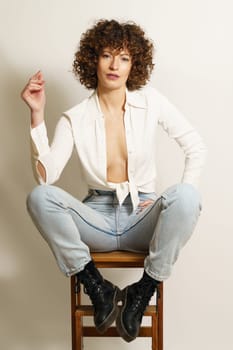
113	313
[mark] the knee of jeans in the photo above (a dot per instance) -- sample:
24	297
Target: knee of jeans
189	198
184	197
37	197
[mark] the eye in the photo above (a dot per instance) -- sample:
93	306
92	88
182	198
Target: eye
125	58
106	55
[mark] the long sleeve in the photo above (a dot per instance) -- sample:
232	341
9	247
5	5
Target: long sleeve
53	158
178	128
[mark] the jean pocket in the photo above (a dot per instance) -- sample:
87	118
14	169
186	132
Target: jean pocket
88	197
147	196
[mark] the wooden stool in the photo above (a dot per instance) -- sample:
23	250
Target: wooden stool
116	259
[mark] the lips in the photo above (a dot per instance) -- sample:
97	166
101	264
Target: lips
112	76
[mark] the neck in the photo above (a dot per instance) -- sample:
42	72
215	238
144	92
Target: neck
112	100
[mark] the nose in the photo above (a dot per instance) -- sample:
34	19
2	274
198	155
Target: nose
114	63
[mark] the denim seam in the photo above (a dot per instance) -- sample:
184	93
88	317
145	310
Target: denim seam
70	208
117	225
142	217
39	228
95	227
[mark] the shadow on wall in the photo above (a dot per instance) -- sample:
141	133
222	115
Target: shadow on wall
34	294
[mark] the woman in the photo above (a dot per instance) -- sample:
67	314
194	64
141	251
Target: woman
114	133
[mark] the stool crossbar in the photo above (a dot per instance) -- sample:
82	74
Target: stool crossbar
116	259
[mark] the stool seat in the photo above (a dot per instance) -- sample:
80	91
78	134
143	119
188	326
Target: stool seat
120	258
115	259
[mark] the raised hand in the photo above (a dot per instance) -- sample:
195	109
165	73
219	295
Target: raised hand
34	96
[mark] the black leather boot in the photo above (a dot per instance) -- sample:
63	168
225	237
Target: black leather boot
135	299
103	294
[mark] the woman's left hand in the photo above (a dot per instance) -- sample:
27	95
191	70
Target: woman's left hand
145	204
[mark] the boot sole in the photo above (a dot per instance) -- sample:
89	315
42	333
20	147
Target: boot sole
119	322
113	314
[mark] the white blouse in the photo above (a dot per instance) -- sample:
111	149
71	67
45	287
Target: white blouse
83	127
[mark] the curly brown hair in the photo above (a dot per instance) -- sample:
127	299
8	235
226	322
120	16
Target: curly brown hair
117	36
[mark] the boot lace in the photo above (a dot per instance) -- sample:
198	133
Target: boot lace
95	291
142	293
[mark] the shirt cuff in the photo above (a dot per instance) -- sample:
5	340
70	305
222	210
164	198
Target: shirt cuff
40	139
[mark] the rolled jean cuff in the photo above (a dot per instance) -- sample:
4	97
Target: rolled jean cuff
156	276
74	270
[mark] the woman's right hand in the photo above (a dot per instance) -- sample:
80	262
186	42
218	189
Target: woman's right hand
34	96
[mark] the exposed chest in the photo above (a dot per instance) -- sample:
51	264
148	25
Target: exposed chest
115	138
103	142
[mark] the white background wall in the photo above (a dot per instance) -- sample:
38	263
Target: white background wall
194	69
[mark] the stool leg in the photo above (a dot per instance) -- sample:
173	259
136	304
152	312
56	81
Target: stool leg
154	339
79	318
73	308
79	333
76	321
160	315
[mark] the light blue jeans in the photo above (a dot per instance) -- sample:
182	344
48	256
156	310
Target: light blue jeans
99	224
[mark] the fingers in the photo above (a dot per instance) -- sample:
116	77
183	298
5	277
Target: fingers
35	84
146	203
37	78
143	205
32	87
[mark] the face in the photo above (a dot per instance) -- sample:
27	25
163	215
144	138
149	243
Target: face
113	68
